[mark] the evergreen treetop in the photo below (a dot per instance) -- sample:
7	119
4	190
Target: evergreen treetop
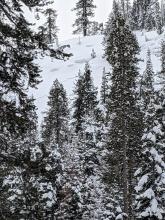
84	11
55	126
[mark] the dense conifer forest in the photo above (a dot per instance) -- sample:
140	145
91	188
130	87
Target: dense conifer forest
98	153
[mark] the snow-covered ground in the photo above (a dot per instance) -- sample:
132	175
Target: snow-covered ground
66	71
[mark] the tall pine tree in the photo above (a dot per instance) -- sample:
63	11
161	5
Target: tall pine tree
125	130
84	11
55	126
50	26
150	175
88	148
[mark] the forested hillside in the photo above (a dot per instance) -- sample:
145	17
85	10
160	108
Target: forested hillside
82	122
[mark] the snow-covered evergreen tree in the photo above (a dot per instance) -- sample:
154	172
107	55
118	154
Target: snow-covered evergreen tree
55	125
150	22
88	148
153	17
78	104
108	25
146	15
151	174
139	12
105	96
150	188
158	19
95	28
50	28
125	8
84	11
15	184
126	120
55	135
146	87
105	87
135	16
163	12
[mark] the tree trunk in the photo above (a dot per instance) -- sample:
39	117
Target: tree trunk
85	19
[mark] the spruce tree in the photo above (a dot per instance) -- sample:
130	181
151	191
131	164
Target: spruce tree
78	104
153	17
149	199
50	26
163	12
55	125
84	103
55	135
141	11
126	119
105	87
84	11
146	87
135	16
125	8
108	25
158	19
104	95
150	175
86	142
146	15
14	184
150	22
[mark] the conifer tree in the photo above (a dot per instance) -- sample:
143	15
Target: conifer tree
135	25
162	73
126	118
146	88
163	12
150	22
125	8
147	95
140	10
105	87
149	199
55	126
86	143
84	103
84	11
55	135
41	32
150	176
158	19
50	26
105	96
15	185
108	25
153	17
78	104
146	15
18	70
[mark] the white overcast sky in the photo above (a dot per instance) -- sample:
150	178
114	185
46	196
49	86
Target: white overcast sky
66	17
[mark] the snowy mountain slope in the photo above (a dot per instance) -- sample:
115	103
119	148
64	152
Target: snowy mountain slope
67	71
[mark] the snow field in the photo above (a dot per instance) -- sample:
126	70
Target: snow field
81	48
